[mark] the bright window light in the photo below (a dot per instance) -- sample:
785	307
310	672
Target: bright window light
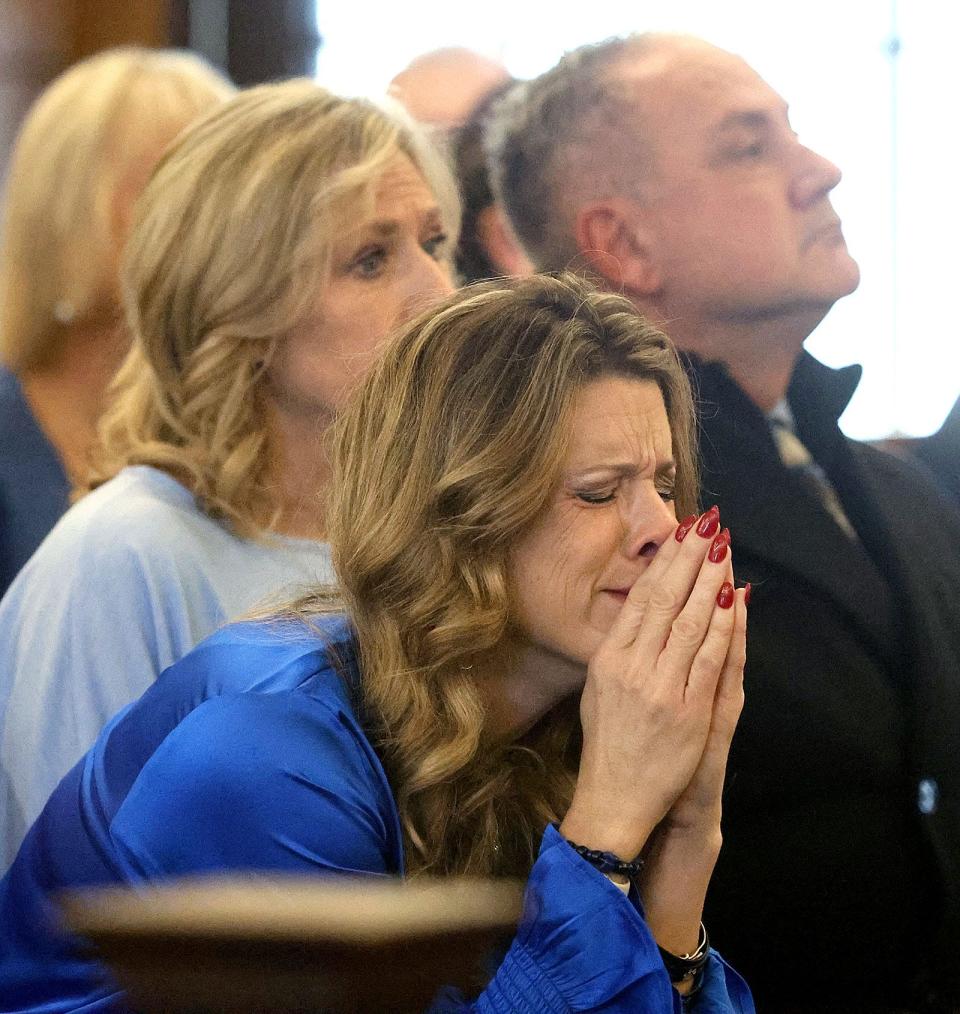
864	81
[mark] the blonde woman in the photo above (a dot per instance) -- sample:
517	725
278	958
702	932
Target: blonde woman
275	246
83	154
536	673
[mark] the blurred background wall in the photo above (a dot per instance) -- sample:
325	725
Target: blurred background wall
252	40
39	38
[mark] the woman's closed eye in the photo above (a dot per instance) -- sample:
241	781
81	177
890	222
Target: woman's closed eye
667	492
595	496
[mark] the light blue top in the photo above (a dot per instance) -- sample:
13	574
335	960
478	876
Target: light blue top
127	582
252	753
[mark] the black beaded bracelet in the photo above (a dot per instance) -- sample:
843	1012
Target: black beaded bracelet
684	967
608	862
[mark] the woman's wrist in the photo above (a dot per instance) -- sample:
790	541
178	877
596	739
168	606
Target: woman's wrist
673	886
694	823
695	844
604	833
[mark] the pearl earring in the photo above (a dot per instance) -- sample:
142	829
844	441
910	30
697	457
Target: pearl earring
64	311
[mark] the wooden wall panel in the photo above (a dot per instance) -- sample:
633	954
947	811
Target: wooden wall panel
100	24
39	38
256	41
35	45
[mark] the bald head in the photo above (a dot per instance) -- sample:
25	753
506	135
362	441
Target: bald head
443	87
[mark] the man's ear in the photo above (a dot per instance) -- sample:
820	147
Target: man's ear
616	245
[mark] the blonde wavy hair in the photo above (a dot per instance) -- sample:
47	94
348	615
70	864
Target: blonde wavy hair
227	257
83	142
445	456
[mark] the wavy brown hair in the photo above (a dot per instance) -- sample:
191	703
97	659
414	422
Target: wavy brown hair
442	459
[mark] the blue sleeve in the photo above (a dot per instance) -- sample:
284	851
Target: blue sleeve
259	781
282	782
582	945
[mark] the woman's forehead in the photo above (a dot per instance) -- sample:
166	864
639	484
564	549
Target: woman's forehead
619	419
399	195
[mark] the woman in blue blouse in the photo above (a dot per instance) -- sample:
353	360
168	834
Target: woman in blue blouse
531	669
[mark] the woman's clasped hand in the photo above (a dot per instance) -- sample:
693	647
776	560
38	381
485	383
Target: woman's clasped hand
659	708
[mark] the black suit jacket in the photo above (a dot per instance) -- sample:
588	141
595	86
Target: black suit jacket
839	877
941	453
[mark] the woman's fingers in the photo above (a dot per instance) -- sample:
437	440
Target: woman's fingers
665	585
700	801
676	618
711	657
729	695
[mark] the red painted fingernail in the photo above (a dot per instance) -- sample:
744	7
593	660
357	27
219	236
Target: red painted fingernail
709	523
718	551
684	527
747	589
725	595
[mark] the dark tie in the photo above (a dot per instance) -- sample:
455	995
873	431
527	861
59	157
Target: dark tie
796	457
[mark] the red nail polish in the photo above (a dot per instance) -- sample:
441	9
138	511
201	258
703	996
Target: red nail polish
725	595
709	523
684	527
747	589
721	544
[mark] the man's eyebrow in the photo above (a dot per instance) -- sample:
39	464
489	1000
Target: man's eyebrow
754	119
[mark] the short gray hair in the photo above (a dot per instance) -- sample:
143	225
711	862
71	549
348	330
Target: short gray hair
568	136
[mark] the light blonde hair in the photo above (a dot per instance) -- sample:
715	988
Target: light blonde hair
445	456
228	255
81	140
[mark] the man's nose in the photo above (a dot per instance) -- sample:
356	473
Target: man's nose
814	178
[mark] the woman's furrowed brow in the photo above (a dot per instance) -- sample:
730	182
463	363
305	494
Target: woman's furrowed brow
622	469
